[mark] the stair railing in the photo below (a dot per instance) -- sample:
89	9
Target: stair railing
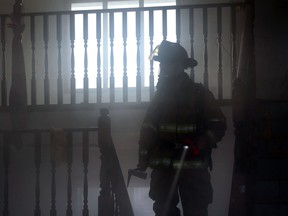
39	161
113	73
113	199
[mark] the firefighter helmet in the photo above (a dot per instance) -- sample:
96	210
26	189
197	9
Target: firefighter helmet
172	52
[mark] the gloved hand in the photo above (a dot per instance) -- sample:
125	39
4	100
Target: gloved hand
206	140
192	146
202	142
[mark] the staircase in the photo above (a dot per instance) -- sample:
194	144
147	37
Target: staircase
260	179
269	170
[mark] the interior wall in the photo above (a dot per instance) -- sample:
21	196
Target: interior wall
35	6
6	6
271	48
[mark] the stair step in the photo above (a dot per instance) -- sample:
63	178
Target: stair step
272	178
272	156
271	201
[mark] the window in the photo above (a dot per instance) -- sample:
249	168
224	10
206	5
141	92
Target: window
118	47
79	44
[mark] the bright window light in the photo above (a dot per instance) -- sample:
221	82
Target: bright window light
118	48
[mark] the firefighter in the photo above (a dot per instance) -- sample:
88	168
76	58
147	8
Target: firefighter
182	124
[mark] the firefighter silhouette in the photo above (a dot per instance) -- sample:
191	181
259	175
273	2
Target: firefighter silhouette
182	125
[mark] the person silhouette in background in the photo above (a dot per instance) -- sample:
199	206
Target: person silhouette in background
182	125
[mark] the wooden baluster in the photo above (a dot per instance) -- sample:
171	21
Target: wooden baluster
151	36
219	33
191	31
46	79
6	161
113	196
72	39
53	211
37	160
116	203
69	211
138	76
18	88
33	78
178	25
105	199
99	79
105	50
85	155
233	43
164	24
85	79
3	79
98	37
205	36
125	77
112	81
60	80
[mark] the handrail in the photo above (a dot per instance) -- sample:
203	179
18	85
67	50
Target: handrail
235	4
46	130
93	106
114	199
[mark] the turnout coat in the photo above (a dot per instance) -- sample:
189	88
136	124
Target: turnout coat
182	116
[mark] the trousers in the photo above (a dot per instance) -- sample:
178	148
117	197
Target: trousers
191	186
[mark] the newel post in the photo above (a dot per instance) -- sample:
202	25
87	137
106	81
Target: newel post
105	199
18	90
